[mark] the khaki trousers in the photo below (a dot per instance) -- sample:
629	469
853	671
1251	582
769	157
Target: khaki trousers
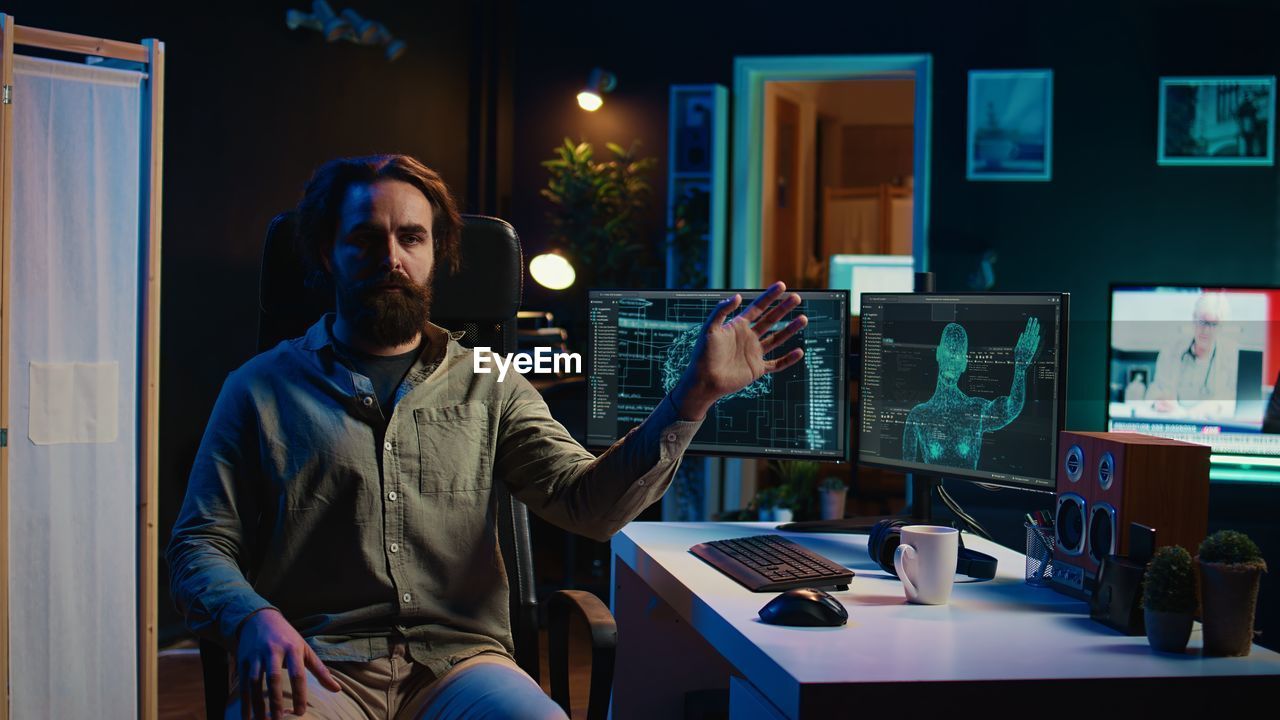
396	688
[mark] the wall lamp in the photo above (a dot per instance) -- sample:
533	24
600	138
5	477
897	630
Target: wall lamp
599	82
347	25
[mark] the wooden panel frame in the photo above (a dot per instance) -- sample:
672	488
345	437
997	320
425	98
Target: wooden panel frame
149	407
81	44
151	54
6	271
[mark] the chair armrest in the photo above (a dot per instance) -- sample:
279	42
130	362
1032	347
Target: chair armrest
215	667
604	643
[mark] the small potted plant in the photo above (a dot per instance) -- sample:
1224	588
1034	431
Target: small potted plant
834	492
766	504
785	510
1169	599
801	479
1231	569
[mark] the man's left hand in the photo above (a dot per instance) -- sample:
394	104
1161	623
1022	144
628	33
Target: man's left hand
729	356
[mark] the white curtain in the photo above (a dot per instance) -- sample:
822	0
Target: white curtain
852	225
73	406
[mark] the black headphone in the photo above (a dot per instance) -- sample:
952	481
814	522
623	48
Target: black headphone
887	535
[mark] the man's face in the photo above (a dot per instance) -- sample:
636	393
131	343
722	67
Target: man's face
1206	324
382	261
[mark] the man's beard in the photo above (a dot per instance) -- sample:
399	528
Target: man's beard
387	311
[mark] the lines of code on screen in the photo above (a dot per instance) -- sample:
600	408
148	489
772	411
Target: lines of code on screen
642	343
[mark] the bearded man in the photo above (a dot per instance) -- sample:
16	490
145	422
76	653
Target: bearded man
338	528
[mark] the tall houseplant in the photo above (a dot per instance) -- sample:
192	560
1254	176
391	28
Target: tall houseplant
597	210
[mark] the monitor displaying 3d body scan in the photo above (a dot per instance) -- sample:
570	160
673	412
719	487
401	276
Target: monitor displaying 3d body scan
964	385
641	343
870	273
1197	364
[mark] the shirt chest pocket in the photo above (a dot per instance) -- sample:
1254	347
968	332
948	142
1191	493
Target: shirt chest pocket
454	449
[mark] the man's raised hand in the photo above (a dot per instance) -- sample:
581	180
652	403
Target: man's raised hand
730	353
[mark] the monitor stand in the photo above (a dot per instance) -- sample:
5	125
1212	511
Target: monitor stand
919	512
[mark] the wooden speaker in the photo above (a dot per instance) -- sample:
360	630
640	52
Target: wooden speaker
1107	481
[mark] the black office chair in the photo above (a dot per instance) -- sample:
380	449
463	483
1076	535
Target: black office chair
481	300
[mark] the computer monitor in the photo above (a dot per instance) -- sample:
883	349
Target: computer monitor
870	273
1198	364
964	385
641	341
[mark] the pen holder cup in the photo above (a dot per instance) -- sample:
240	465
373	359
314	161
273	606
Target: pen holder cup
1039	555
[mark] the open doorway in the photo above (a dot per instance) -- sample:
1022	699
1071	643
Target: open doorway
794	244
838	163
753	76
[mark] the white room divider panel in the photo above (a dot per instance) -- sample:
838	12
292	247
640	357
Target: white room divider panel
80	163
74	344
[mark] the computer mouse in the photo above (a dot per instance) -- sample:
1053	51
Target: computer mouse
807	607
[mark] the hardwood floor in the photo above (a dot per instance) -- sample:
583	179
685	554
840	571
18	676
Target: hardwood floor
182	690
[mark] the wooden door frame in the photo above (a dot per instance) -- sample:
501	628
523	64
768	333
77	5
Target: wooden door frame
775	257
749	76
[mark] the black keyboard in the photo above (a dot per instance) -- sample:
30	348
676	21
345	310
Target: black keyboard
768	563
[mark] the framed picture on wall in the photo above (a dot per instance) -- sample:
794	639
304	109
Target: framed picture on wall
1217	121
1010	130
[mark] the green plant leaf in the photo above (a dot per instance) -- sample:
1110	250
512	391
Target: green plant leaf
596	210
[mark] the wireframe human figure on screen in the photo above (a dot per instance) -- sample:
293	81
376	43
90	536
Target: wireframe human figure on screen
947	428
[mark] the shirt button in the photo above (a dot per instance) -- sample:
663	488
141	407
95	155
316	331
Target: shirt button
671	437
641	483
368	401
391	496
386	445
407	597
395	547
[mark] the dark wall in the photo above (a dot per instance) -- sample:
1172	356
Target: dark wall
251	108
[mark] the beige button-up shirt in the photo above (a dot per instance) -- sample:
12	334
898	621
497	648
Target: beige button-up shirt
360	527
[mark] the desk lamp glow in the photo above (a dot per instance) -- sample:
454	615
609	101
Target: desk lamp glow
552	271
599	82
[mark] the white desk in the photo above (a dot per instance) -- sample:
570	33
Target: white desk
683	625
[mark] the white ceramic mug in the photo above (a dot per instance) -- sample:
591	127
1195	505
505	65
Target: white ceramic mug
926	562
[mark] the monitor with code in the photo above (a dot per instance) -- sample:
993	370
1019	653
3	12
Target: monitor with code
641	342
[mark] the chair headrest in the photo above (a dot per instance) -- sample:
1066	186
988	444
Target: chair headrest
488	288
